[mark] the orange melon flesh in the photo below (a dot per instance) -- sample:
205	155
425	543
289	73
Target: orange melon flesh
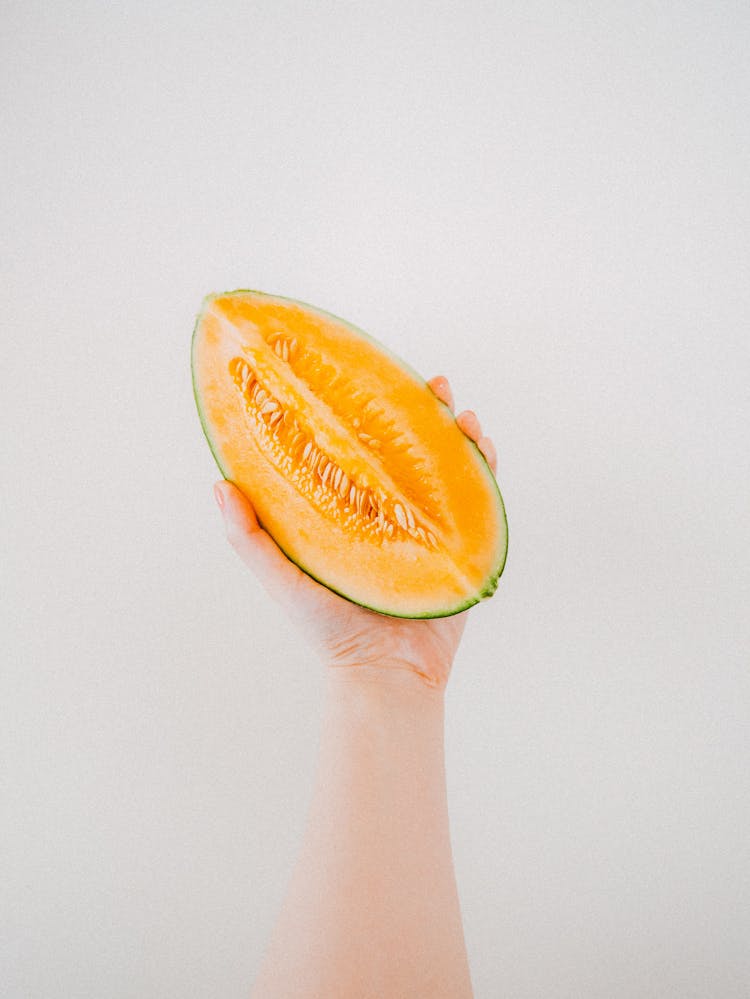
353	466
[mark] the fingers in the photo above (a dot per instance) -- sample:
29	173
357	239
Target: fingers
441	387
255	546
467	421
487	448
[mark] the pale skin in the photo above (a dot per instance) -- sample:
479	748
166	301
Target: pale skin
372	909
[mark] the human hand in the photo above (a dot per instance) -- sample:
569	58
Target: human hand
344	634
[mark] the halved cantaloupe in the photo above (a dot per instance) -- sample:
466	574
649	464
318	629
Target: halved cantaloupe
353	466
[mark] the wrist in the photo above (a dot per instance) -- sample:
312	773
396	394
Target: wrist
386	683
391	712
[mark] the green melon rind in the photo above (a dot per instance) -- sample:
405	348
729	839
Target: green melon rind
490	585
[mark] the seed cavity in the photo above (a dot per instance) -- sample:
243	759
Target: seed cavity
292	448
372	425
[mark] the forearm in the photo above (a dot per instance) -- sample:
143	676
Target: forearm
372	909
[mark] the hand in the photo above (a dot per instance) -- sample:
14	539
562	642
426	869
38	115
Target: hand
345	634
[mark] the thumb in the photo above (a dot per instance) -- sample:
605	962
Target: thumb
254	545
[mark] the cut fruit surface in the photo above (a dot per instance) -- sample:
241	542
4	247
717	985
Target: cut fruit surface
352	464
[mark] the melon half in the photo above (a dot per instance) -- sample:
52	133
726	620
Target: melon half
353	466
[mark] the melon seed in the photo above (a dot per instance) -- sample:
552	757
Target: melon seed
400	517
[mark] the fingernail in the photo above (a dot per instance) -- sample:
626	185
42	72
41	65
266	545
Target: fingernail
219	496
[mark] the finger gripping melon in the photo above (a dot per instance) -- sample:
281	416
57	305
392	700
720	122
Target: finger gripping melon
353	466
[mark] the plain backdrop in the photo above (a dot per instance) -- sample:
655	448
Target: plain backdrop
549	203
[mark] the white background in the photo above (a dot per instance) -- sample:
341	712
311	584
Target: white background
548	202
